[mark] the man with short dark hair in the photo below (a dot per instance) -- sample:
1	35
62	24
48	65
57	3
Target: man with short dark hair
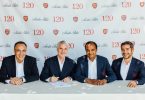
92	68
19	68
128	67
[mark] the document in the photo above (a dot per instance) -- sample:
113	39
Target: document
60	84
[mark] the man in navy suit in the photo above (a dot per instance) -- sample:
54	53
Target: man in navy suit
58	67
92	68
128	67
19	68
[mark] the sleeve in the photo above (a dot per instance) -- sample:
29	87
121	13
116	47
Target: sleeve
34	75
45	74
111	76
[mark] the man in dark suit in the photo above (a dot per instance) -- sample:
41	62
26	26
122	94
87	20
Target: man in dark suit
58	67
19	68
92	68
128	67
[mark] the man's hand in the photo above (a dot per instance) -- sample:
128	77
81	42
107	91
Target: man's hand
54	79
67	79
95	82
90	81
16	81
100	82
132	84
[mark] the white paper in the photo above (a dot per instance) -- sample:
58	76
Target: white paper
60	84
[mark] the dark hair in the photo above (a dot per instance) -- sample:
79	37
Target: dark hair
20	42
128	43
91	42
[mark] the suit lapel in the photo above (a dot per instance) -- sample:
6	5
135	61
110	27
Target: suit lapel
119	67
130	71
13	68
98	66
85	66
65	67
25	65
56	66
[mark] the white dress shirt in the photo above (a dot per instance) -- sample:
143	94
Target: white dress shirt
60	65
19	69
124	69
92	69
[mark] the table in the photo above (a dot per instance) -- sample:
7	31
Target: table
39	87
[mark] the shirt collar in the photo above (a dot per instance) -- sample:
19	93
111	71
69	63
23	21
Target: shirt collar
125	63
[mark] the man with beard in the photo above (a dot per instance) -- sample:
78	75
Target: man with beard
128	67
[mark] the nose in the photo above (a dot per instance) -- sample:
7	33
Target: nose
21	53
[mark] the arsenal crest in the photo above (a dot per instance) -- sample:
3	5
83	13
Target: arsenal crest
25	18
45	5
7	31
114	57
75	19
142	4
36	45
123	17
94	5
105	31
55	31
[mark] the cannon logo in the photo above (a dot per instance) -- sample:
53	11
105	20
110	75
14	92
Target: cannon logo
25	18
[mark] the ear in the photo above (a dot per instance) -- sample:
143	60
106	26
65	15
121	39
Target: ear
132	49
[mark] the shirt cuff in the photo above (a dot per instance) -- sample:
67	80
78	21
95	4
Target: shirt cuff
70	78
7	81
23	79
48	80
137	82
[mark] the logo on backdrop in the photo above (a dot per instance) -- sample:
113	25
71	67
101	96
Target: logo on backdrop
94	5
36	45
123	17
114	57
75	19
55	31
7	31
105	31
45	5
1	58
25	18
142	4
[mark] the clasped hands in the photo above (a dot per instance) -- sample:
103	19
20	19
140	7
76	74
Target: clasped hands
54	79
96	81
16	81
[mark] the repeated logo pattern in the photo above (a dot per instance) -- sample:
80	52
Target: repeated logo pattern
42	23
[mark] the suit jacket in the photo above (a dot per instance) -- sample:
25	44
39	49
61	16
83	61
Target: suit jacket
104	70
136	70
51	67
8	69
